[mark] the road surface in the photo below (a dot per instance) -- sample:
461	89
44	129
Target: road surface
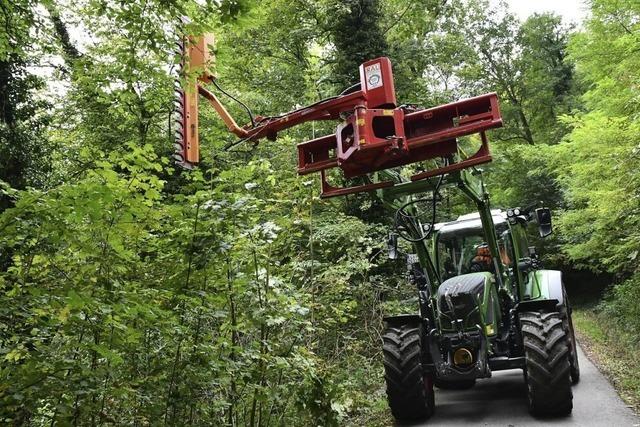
501	401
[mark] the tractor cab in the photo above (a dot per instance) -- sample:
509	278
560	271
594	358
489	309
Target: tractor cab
461	246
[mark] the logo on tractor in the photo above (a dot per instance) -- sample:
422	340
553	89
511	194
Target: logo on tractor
373	76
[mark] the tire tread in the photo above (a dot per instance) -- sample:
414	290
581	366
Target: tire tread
406	393
547	364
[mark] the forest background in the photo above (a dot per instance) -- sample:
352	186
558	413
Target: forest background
135	293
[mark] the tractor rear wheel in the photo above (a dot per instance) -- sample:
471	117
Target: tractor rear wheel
573	348
575	367
409	390
547	364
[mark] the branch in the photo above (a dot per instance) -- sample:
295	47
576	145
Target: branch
398	19
71	52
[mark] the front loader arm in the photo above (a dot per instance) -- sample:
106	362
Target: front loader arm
470	183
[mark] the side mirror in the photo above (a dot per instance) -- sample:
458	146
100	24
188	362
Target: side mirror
543	215
392	246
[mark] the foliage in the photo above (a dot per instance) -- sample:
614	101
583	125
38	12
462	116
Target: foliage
357	37
124	299
23	120
133	293
613	348
597	163
23	117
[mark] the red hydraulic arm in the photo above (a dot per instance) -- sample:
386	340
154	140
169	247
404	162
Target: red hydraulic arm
374	133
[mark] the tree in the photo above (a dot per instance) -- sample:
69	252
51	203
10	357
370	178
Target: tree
598	161
24	147
134	293
357	37
547	75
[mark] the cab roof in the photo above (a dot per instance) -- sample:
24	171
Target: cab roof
470	224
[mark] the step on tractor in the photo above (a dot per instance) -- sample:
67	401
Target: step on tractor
485	303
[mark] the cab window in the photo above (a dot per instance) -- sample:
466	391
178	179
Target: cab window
520	241
505	245
457	253
466	251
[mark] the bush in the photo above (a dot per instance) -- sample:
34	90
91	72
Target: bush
621	306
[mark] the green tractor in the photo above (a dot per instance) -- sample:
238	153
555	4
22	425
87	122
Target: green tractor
485	304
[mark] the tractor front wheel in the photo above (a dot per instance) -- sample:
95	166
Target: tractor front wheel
409	390
547	363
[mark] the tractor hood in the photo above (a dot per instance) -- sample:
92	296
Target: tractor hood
470	298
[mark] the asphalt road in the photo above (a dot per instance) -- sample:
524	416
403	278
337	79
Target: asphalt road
501	401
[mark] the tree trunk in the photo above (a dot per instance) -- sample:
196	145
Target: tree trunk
70	51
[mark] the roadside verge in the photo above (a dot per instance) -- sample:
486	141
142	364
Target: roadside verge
613	351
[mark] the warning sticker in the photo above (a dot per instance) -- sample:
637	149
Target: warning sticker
373	75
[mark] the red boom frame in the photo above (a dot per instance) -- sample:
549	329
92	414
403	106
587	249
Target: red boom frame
374	133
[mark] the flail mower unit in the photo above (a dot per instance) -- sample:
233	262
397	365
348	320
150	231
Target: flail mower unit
485	303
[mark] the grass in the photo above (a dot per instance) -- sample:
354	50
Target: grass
613	350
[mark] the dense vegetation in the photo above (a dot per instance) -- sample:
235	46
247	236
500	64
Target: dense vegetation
134	293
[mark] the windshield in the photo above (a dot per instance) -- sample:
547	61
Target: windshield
466	251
